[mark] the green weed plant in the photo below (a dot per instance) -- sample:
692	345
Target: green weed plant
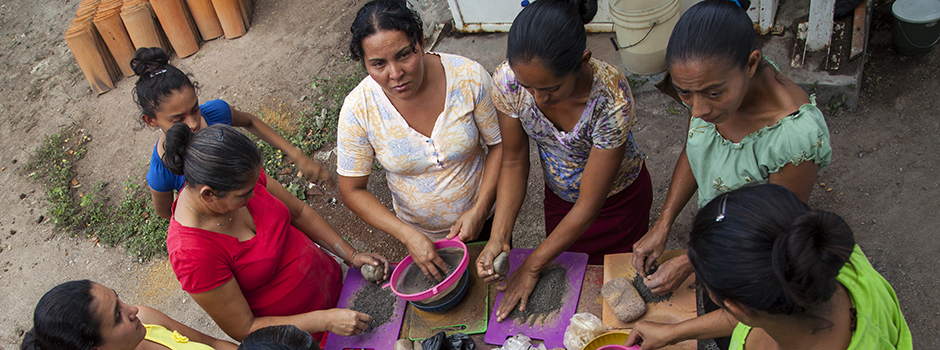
90	212
131	221
315	129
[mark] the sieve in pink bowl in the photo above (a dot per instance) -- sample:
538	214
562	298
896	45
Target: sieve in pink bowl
440	288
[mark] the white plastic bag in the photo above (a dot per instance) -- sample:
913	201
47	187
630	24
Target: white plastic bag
520	342
583	327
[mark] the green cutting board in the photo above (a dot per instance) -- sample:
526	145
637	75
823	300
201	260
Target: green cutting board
468	317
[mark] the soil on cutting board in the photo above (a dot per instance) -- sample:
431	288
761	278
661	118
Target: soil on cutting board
648	295
546	298
414	281
377	302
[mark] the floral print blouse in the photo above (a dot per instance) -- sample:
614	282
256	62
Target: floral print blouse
433	179
605	124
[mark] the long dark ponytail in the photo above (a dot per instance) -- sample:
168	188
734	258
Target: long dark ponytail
218	156
63	319
713	29
551	32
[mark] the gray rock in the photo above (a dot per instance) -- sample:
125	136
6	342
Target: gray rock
404	344
501	264
624	300
372	273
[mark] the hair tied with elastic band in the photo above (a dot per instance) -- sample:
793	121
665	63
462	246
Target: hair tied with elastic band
738	2
724	204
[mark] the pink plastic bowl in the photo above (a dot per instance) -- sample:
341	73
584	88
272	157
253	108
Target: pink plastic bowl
440	287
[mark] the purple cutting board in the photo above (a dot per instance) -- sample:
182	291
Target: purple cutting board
552	331
380	338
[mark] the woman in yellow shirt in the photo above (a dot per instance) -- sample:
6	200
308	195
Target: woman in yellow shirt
83	315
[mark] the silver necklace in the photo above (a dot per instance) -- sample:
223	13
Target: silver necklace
204	217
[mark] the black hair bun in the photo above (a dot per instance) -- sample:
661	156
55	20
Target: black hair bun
809	256
149	59
175	145
30	341
587	9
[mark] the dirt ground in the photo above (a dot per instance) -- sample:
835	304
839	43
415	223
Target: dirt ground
884	152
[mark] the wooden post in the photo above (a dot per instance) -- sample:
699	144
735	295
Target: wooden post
768	10
858	30
820	24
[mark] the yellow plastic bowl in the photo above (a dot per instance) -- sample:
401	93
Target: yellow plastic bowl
609	338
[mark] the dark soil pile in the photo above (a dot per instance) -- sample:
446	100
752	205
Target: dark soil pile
413	281
547	298
377	302
648	295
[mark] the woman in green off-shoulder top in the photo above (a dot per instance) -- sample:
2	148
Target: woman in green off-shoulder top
748	124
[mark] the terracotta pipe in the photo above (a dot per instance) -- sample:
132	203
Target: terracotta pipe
230	15
189	19
112	31
247	7
206	19
142	26
82	42
173	19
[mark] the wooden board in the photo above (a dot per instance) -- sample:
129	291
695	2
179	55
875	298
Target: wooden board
468	316
858	30
681	307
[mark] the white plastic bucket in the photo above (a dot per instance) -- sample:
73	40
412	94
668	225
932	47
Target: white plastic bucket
643	28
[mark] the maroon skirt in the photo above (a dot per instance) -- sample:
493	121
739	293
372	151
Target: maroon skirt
624	219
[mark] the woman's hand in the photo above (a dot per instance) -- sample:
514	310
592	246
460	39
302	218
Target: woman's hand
347	322
373	259
314	171
485	261
670	275
424	253
651	335
468	225
516	290
649	248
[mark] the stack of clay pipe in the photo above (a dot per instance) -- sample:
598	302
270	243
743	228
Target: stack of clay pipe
90	50
105	33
